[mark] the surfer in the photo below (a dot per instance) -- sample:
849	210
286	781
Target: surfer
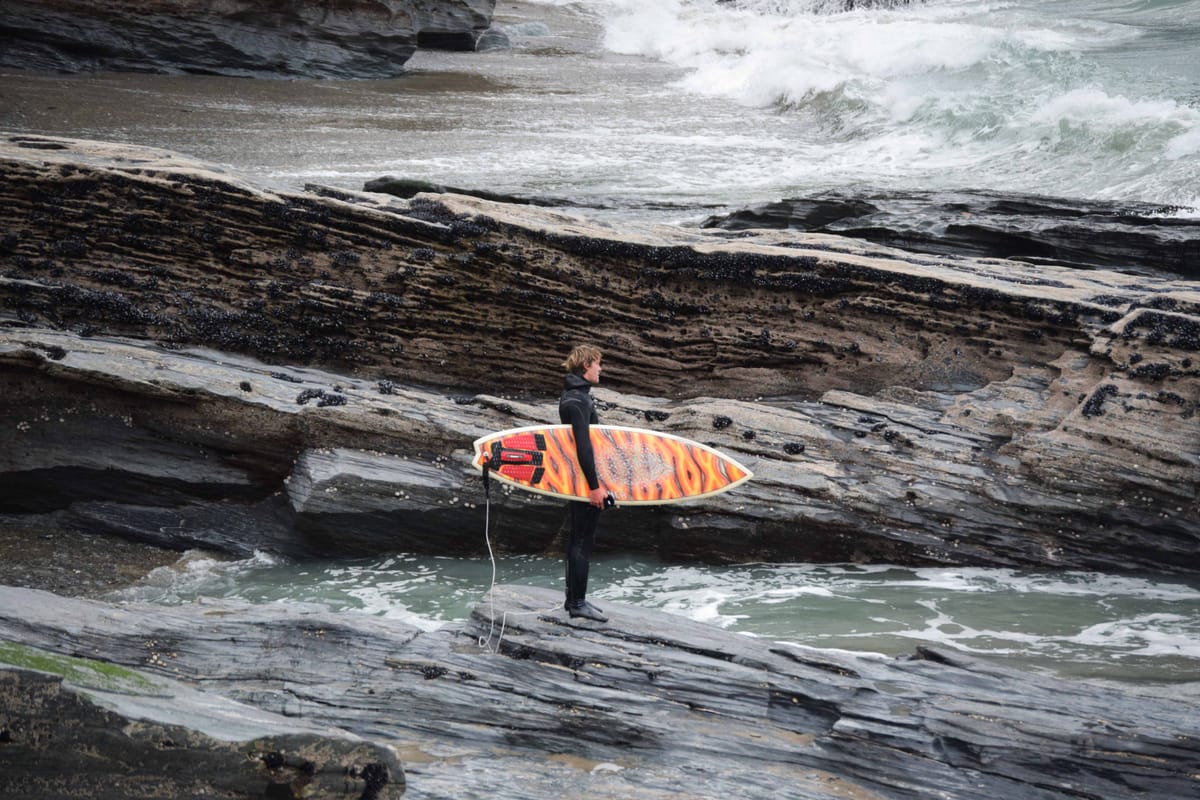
575	407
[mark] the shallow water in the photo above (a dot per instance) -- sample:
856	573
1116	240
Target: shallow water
1139	629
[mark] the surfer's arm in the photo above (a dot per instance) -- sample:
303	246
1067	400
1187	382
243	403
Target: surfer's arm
581	428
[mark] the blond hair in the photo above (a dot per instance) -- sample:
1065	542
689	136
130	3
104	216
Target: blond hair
582	357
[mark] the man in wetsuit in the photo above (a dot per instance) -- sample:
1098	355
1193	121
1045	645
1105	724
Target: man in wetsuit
576	408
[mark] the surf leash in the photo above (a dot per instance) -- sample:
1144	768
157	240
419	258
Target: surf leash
486	643
487	537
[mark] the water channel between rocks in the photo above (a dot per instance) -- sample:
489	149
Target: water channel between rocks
1140	629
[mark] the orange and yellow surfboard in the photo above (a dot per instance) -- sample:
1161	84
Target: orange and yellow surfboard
637	466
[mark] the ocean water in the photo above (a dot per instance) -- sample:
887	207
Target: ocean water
1077	98
1139	629
670	109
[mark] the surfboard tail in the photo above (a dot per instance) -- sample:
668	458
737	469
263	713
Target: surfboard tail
520	457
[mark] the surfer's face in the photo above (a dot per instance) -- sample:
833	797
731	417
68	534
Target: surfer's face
592	373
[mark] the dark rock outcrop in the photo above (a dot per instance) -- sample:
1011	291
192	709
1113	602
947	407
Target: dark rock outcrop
408	187
827	7
520	701
455	25
1137	237
943	410
81	728
33	555
279	38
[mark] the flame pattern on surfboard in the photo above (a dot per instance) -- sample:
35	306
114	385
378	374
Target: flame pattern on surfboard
639	467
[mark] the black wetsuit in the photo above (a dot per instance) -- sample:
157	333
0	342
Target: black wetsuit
576	409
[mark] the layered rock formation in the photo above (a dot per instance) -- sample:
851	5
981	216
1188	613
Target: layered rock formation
894	407
189	360
81	728
521	702
1131	237
281	38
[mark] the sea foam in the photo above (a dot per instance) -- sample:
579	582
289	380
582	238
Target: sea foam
1012	96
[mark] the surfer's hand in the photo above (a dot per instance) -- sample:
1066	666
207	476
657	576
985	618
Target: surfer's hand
596	497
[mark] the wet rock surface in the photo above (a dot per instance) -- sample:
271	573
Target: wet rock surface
522	701
191	361
84	728
1135	237
355	39
72	563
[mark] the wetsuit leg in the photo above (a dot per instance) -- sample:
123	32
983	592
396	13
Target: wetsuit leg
584	519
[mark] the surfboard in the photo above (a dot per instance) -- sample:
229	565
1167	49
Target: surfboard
637	466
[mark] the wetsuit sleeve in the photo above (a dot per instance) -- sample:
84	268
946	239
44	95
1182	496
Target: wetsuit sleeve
581	427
